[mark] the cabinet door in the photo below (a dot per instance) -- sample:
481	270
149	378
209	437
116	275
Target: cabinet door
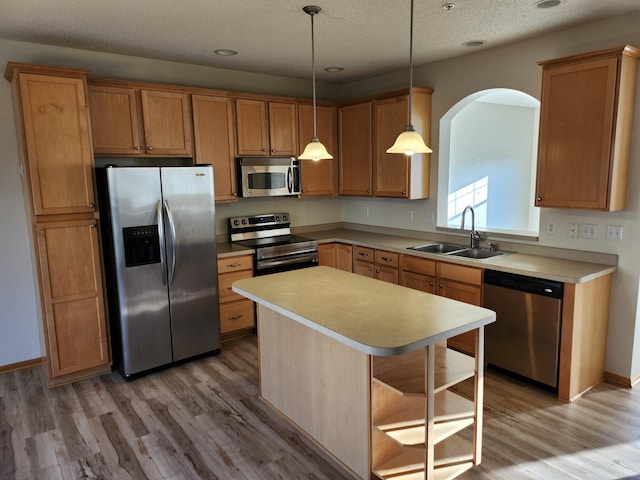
576	124
252	133
215	142
115	123
464	293
418	281
75	326
391	170
355	131
386	274
344	257
58	143
167	123
361	267
318	178
283	129
327	254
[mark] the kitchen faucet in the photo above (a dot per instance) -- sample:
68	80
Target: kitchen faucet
475	235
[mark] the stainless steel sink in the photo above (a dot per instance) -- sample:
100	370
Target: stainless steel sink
438	248
453	250
475	253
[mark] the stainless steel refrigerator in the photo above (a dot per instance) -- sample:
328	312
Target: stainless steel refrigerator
160	251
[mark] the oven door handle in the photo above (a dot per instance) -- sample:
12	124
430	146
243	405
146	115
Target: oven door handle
262	264
292	253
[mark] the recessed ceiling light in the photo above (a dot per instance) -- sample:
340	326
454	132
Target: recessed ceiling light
225	52
333	69
548	3
449	6
474	43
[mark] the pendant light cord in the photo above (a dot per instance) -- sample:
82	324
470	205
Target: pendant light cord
313	74
410	63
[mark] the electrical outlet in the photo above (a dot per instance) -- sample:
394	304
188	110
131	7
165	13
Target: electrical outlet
574	230
308	212
551	227
429	217
366	211
588	230
614	232
410	216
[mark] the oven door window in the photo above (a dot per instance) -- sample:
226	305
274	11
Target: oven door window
267	180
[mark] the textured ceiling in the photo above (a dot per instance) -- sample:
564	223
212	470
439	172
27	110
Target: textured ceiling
365	37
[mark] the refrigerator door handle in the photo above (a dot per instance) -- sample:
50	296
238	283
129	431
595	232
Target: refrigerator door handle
172	230
160	220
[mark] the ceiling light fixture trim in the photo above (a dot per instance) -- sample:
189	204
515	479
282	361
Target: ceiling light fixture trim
409	141
314	150
225	52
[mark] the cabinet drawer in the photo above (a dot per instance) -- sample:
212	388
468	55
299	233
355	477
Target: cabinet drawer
460	273
387	258
363	253
418	265
224	285
233	264
236	316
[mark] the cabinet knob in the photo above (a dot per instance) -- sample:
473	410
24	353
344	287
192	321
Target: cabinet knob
92	205
538	199
368	190
404	192
431	284
386	259
370	269
137	147
235	194
93	225
233	265
149	147
348	250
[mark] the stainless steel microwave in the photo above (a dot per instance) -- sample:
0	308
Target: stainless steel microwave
268	176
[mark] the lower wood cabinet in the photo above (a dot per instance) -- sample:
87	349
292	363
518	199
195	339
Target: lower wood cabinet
76	335
336	255
374	263
450	280
237	313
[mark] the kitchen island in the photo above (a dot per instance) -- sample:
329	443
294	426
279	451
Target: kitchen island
362	368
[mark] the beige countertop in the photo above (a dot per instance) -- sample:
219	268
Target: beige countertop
374	317
550	268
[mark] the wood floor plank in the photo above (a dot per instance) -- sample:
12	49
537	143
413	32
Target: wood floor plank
204	419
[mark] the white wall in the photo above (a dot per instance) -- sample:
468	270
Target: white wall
512	66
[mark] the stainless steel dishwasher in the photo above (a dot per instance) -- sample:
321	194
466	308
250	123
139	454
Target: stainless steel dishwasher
525	338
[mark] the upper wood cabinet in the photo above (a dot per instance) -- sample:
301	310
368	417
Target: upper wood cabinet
585	130
53	122
367	129
213	129
355	138
318	177
396	175
132	121
266	128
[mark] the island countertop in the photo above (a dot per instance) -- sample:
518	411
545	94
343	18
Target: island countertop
372	316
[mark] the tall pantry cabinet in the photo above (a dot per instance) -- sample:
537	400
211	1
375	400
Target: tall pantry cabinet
53	129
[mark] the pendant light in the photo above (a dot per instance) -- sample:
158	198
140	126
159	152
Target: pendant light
314	150
410	141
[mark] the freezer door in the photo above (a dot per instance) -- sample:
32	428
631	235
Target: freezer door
143	302
191	259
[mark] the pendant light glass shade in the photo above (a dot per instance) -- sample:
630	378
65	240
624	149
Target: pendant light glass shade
314	150
409	141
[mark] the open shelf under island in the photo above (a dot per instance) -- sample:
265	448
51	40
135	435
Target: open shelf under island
361	366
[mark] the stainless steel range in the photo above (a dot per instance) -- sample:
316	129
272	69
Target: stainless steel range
276	249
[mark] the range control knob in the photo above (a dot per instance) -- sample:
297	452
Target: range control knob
244	221
277	218
285	218
236	222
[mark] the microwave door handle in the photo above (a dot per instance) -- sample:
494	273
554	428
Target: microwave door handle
290	179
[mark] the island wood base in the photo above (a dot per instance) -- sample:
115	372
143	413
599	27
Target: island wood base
377	416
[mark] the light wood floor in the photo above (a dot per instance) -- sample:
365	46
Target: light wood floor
203	420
